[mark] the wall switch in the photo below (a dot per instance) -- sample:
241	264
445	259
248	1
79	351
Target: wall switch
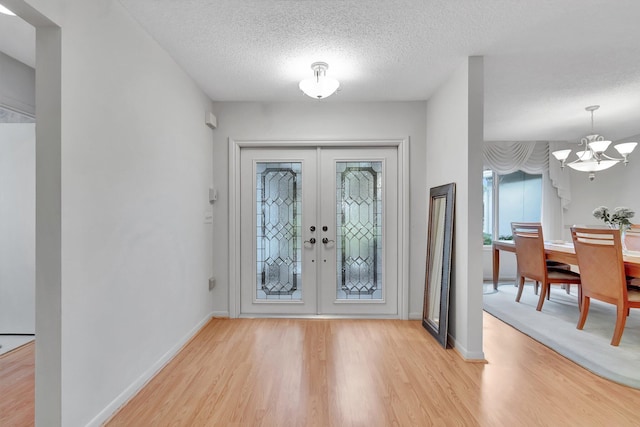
212	283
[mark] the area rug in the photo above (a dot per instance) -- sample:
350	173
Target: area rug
555	327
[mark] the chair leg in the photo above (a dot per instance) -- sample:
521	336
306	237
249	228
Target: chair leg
544	291
580	297
548	292
520	288
621	319
567	288
535	287
584	310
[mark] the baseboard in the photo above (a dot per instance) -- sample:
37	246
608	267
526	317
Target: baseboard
111	409
467	356
220	314
415	316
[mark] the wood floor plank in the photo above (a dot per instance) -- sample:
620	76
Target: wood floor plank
275	372
295	372
17	387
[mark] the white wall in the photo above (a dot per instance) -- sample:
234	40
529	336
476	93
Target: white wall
617	186
454	154
17	85
135	161
17	228
310	119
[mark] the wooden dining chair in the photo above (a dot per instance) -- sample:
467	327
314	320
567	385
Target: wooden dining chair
632	243
632	238
599	253
532	264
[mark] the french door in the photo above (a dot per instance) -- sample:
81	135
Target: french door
319	231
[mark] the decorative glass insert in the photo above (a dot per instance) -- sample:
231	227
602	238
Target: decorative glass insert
279	237
359	230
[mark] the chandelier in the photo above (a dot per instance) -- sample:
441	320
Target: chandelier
593	158
319	86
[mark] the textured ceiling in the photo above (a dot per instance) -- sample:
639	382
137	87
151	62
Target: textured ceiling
545	60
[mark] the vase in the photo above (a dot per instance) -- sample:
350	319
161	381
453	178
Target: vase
623	232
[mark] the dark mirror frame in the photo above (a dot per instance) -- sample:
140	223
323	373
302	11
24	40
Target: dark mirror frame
440	329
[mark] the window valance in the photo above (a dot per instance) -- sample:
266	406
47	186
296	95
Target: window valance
505	157
508	157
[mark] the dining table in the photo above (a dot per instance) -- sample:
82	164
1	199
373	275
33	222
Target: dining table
559	251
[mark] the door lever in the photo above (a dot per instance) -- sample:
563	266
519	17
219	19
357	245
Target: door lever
311	240
326	240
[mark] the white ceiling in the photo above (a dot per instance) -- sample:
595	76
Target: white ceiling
545	60
18	39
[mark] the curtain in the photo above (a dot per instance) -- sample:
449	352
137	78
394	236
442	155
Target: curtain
559	178
506	157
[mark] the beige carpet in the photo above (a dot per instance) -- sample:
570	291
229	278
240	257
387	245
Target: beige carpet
555	327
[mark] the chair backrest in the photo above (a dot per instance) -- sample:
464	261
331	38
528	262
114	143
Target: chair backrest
632	238
529	242
599	253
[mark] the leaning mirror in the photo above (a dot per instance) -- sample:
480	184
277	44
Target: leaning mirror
435	310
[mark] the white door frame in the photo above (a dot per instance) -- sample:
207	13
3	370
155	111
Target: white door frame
402	145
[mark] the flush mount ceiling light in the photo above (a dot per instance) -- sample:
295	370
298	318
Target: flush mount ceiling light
593	158
6	11
319	86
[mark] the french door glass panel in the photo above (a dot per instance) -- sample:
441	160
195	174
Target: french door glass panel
278	212
359	230
319	231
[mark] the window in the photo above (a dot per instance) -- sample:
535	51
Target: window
507	198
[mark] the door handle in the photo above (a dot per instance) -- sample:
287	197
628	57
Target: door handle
311	240
326	240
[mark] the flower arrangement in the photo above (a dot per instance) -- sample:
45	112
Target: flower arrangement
619	218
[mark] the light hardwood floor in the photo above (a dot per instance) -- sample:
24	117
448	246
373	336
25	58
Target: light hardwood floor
283	372
371	373
17	385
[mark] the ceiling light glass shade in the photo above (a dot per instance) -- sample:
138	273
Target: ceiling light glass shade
319	86
592	165
561	154
599	146
625	148
6	11
594	157
584	156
